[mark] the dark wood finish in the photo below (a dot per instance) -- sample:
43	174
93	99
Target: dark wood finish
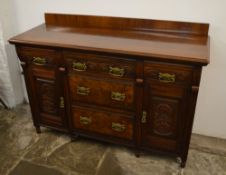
101	122
117	23
138	43
47	91
126	81
192	99
165	105
27	55
44	85
100	65
100	92
183	74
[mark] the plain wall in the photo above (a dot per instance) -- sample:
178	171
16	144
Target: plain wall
210	117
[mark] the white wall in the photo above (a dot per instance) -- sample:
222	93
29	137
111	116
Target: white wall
210	116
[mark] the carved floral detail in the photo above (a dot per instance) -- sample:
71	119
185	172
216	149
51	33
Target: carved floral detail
164	118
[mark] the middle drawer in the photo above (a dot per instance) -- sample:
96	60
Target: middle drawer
118	94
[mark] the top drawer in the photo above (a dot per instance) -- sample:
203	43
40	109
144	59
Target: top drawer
168	73
38	56
102	65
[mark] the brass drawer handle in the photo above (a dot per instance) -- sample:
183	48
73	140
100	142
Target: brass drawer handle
118	127
39	60
144	117
117	96
78	66
85	120
166	77
61	102
117	72
62	69
83	90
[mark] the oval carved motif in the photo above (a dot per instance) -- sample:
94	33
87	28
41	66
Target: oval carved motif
163	120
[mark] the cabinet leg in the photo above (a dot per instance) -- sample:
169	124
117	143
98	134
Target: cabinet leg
181	161
137	153
181	171
38	129
182	164
74	137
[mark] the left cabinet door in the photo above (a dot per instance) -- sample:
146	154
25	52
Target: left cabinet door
45	86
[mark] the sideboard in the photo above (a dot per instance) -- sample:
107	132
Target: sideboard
126	81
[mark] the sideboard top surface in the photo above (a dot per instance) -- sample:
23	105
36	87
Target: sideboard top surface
172	40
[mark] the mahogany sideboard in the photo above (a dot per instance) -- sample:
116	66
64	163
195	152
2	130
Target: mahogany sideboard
122	80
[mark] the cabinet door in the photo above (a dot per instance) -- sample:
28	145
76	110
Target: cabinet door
47	92
163	113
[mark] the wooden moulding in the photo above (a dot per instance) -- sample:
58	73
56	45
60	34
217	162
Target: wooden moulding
181	42
134	24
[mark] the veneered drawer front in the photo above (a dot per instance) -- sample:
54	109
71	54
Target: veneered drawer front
168	73
119	94
103	122
39	56
101	65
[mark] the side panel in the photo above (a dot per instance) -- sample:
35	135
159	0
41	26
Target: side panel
165	110
43	82
49	100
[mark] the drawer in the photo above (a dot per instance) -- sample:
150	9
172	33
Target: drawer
38	56
119	94
103	122
168	73
101	65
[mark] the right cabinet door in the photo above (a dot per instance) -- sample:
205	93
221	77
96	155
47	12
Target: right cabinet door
164	109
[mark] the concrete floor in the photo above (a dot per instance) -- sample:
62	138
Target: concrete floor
23	152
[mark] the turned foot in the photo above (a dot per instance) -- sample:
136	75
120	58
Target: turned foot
137	154
38	129
74	137
181	162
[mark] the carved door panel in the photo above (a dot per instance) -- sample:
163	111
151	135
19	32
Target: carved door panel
163	113
47	91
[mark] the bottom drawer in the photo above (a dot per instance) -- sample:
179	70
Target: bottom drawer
102	122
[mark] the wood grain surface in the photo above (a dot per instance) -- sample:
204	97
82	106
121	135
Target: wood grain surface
142	38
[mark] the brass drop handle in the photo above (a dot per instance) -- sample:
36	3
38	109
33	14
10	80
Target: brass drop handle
195	88
62	69
117	96
139	80
22	63
61	102
116	71
144	117
166	77
78	66
85	120
118	127
39	60
83	90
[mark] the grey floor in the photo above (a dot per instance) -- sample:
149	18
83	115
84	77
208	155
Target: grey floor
23	152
